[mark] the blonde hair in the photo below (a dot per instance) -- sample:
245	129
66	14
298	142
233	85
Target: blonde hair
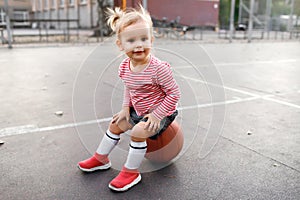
118	19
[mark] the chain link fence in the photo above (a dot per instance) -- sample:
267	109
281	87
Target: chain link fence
271	20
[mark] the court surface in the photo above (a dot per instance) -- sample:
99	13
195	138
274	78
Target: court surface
239	111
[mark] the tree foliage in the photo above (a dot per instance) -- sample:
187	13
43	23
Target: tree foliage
280	8
297	7
224	13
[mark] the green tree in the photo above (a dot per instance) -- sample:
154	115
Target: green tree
297	7
224	13
297	10
280	8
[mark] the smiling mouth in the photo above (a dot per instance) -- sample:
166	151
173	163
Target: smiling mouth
138	52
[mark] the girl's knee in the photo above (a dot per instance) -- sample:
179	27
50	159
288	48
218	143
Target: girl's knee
119	128
139	134
138	138
114	128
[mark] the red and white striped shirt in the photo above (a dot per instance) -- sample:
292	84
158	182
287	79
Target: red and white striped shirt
153	90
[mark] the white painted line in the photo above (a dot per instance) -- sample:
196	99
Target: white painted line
75	124
218	103
221	86
265	97
281	102
238	98
188	66
239	63
33	128
258	62
18	130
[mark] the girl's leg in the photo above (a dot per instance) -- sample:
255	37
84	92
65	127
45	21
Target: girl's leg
109	140
99	160
130	176
138	146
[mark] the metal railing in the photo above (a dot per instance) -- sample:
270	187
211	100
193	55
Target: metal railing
43	29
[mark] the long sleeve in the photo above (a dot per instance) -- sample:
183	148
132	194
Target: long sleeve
171	89
126	97
122	72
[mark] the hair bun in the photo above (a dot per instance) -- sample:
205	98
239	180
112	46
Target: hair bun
113	17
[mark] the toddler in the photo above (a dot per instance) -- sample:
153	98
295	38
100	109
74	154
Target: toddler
150	97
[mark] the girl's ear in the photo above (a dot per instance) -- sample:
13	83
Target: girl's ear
152	39
119	44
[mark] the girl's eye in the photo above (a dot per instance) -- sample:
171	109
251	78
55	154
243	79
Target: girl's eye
144	39
131	40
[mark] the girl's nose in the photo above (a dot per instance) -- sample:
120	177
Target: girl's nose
139	44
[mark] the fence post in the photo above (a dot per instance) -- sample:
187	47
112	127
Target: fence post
250	24
268	16
40	31
201	33
77	33
2	35
47	32
68	22
8	28
291	25
231	25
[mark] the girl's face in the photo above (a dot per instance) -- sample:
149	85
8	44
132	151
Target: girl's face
136	41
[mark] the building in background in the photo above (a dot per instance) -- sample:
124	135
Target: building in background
203	13
187	12
85	11
19	11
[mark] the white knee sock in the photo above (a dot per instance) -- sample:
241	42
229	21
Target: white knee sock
109	141
136	154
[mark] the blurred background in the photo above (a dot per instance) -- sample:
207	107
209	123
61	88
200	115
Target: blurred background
240	102
204	20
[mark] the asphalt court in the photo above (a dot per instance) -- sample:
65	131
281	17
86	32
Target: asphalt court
240	111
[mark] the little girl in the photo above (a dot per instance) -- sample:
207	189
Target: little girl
150	97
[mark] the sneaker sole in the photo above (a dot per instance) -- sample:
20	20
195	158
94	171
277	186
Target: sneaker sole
102	167
126	187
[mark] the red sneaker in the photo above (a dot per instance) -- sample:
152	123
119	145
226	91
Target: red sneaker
96	162
125	180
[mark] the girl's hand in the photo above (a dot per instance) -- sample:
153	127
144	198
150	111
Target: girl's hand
123	114
152	123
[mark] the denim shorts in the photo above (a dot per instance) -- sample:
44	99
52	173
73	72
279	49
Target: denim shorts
164	123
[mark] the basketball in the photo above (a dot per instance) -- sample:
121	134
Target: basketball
167	145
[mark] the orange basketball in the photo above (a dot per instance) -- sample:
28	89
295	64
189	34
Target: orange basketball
167	145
